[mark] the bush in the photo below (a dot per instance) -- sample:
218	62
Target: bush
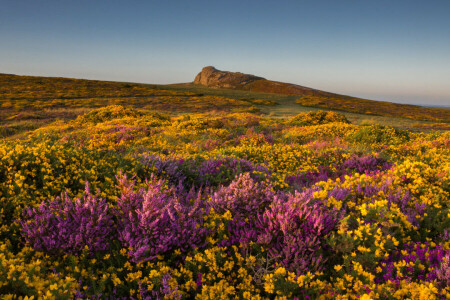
379	135
294	232
107	113
244	197
64	226
158	220
317	118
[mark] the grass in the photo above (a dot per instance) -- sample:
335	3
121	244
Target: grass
288	107
28	102
380	108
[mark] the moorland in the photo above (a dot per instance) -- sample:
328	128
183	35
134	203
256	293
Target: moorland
126	190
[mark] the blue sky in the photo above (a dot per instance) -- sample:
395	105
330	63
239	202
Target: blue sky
385	50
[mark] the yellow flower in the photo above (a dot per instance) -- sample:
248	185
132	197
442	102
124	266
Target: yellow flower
337	268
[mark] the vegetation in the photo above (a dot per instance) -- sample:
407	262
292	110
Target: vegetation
42	100
123	201
317	118
370	107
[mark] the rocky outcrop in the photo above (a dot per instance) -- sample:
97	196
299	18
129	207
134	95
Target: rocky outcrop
211	77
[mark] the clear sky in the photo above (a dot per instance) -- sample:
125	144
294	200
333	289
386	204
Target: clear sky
394	50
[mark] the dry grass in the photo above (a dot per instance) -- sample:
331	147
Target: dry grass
380	108
28	102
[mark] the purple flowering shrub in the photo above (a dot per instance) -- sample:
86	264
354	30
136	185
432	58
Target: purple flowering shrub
164	292
157	220
64	226
298	182
170	168
415	261
200	172
291	227
222	170
244	197
442	272
367	164
294	232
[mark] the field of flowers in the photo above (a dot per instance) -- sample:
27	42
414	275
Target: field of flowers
371	107
29	102
122	203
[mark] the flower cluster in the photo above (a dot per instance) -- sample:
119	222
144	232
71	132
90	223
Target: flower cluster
156	221
64	226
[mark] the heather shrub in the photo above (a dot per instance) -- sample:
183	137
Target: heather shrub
244	197
294	232
222	170
317	118
415	261
366	164
199	172
156	220
298	182
168	168
442	272
63	226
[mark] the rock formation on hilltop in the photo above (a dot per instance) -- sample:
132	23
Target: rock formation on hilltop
211	77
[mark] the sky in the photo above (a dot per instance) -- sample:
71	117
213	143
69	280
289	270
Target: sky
395	50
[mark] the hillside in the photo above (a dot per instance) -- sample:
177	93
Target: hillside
211	77
29	102
134	191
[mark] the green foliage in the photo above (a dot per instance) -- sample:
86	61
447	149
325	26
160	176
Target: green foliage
317	118
378	108
378	135
108	113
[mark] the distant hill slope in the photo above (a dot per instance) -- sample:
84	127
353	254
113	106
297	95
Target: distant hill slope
27	101
213	78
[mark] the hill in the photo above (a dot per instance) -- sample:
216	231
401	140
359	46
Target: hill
211	77
29	102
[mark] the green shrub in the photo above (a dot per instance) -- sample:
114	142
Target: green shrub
317	118
379	134
108	113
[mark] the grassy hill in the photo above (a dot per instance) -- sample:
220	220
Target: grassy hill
380	108
28	102
211	77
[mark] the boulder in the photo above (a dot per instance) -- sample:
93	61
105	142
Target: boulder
211	77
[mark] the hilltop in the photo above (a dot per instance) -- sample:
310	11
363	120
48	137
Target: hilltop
211	77
309	97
